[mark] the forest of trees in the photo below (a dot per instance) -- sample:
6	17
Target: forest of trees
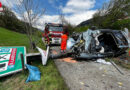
9	20
114	15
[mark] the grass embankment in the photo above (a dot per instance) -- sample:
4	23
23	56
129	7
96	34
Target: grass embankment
123	61
50	77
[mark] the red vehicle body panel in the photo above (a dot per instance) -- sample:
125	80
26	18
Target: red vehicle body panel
51	35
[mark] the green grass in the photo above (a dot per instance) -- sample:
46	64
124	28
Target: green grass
125	63
50	77
9	38
122	63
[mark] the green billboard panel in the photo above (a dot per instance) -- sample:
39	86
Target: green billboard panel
10	59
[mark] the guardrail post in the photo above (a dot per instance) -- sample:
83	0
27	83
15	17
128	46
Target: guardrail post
22	60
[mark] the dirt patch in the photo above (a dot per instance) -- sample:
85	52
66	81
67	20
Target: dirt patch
69	60
54	52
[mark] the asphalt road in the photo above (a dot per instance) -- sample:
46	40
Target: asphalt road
89	75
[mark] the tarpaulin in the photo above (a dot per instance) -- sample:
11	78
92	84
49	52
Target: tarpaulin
34	73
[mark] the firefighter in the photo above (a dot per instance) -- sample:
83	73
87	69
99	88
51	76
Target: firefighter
64	38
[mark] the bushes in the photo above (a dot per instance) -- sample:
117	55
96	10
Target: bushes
81	29
110	13
121	24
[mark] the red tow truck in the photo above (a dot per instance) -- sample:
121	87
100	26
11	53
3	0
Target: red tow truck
52	33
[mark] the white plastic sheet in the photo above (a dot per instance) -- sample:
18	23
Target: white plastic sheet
44	55
103	61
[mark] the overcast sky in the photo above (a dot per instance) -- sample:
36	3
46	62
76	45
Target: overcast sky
75	11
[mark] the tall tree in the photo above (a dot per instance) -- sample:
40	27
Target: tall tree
30	12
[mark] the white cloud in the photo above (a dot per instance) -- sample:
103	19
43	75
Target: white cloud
10	3
78	6
52	18
51	1
77	18
47	19
78	14
74	19
78	10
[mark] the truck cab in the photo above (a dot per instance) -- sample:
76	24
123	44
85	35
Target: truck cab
52	33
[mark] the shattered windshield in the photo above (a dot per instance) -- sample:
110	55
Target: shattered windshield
52	28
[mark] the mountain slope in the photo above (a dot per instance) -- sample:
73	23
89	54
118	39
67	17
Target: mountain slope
85	23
